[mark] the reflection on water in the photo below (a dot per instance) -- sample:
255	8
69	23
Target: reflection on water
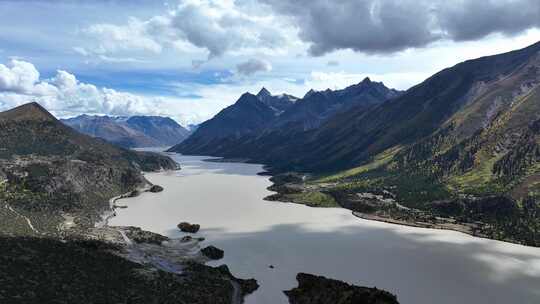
422	266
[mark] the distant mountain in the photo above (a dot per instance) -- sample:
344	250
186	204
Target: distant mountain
249	115
283	119
131	132
48	169
192	127
166	131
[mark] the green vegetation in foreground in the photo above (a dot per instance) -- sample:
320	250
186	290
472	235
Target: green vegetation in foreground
41	270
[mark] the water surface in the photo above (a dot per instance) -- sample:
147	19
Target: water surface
421	266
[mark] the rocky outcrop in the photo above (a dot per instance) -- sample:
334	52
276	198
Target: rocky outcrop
314	289
155	189
190	228
138	235
189	238
212	253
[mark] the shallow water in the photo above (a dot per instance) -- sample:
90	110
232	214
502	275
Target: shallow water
421	266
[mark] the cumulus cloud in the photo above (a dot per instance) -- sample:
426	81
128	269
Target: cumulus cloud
253	66
22	77
386	26
216	26
20	83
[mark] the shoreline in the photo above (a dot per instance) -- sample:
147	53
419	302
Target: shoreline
178	256
110	213
446	223
287	189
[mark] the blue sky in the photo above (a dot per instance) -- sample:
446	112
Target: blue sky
189	59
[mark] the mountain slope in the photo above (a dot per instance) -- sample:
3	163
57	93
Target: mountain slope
466	98
49	169
132	132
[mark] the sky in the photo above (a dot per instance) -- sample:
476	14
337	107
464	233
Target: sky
189	59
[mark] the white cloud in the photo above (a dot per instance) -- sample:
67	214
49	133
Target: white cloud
218	27
64	95
22	77
133	35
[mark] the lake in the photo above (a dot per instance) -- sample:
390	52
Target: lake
420	266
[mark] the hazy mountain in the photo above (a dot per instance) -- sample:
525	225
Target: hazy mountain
192	127
163	129
291	118
131	132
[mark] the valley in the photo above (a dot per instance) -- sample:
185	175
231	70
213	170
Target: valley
458	151
57	190
274	241
270	152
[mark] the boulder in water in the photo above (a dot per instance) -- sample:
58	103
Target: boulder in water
190	228
155	189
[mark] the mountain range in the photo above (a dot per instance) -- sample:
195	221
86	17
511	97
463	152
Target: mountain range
461	119
255	120
131	132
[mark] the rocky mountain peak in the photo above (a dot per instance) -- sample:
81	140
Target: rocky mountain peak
309	93
29	111
247	97
263	93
